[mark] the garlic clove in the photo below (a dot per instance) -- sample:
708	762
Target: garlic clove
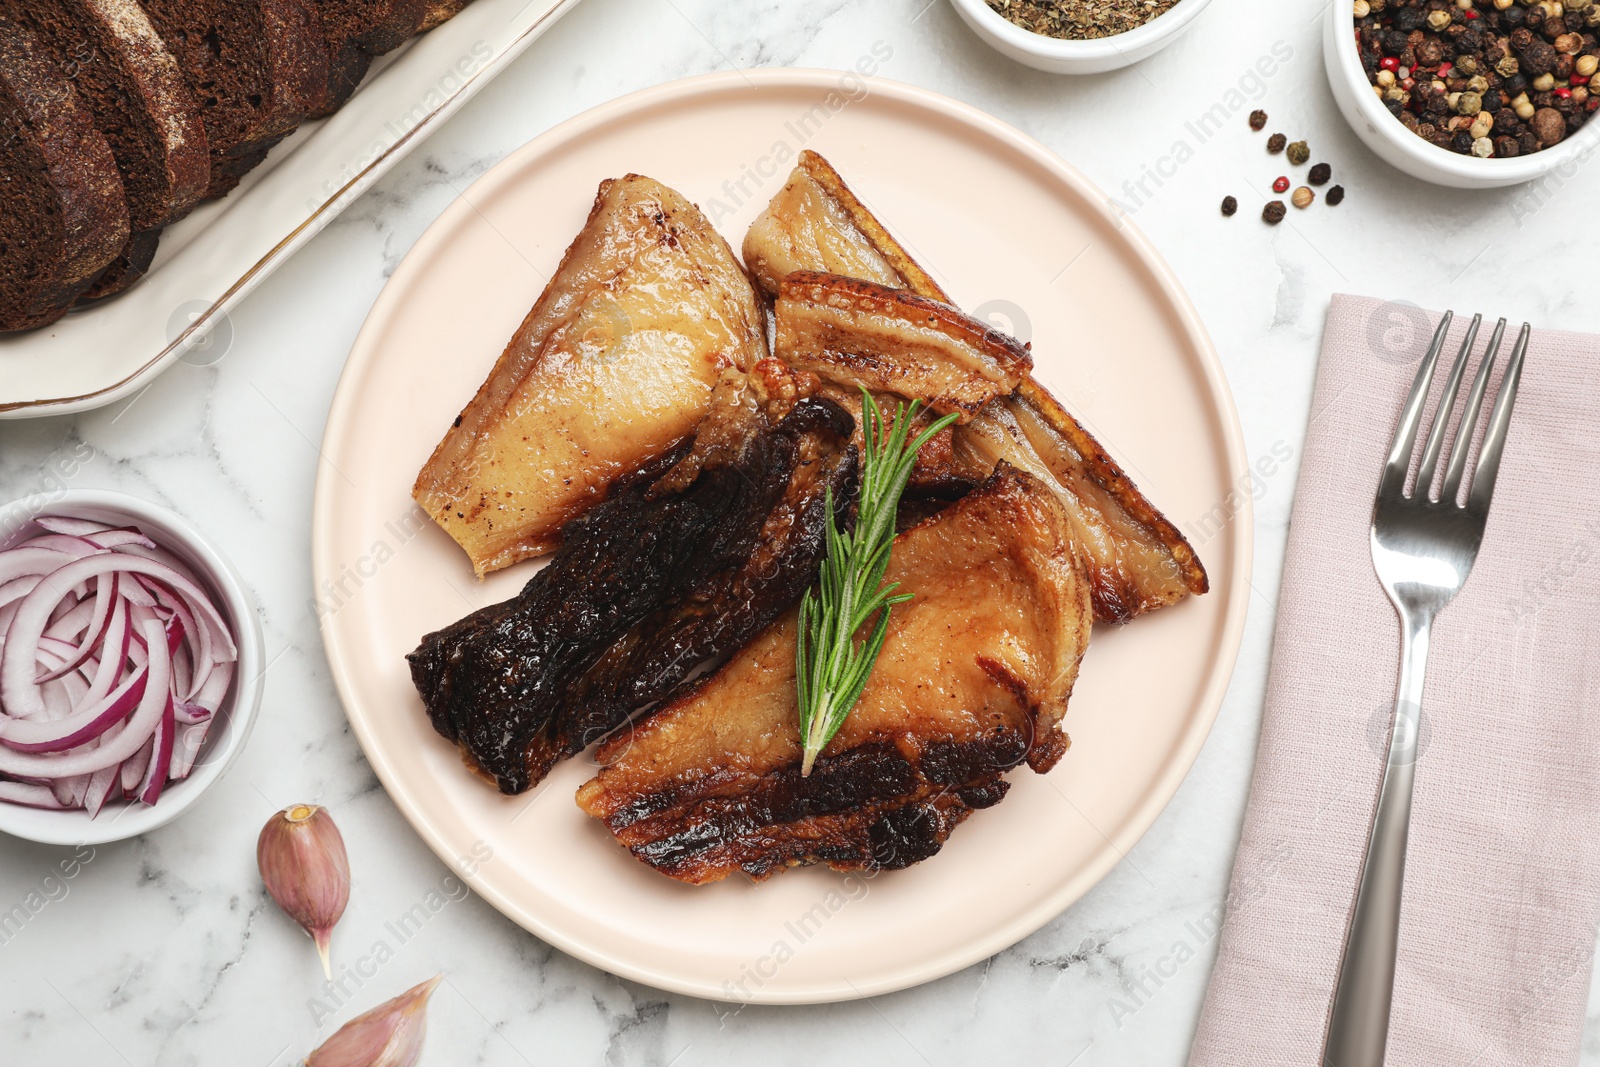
389	1035
305	869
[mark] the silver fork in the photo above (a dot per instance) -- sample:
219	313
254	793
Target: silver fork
1422	548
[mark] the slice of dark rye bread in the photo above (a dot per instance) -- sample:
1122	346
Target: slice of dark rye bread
256	68
65	214
140	102
347	60
126	267
388	24
137	95
250	71
357	30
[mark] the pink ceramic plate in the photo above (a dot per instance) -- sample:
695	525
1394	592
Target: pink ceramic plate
1013	233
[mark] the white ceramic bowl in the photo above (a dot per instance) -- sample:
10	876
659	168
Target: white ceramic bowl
235	717
1401	148
1077	57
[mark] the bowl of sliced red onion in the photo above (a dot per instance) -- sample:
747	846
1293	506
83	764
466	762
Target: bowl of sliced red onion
130	667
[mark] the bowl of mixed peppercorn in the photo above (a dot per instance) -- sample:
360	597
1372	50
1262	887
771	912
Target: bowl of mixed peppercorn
1078	36
1468	93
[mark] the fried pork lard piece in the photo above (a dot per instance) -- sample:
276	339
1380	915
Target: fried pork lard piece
859	333
817	223
1137	560
614	366
973	680
690	558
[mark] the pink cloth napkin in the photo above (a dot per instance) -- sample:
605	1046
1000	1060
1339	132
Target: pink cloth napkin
1503	871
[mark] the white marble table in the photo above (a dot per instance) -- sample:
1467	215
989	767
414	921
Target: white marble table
165	950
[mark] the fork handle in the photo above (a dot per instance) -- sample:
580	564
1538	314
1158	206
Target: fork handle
1359	1026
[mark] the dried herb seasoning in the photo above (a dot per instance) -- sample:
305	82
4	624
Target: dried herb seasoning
1080	20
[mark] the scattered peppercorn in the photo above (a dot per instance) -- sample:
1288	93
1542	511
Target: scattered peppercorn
1280	184
1335	196
1276	142
1229	205
1302	197
1258	119
1299	153
1487	78
1320	173
1273	213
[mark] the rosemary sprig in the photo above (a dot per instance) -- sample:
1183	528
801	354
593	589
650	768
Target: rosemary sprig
831	666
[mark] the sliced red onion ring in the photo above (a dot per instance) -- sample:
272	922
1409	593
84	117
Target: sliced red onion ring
70	791
27	561
17	588
216	686
161	555
202	655
113	664
133	768
61	789
122	537
113	654
71	544
99	791
66	524
98	614
186	747
29	735
137	595
192	714
155	777
182	670
152	703
30	796
19	693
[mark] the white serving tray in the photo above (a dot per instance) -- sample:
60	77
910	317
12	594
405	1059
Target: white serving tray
212	259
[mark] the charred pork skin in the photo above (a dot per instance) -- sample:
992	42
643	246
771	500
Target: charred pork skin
1138	561
690	557
859	333
614	366
972	682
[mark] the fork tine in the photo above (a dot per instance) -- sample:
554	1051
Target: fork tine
1447	407
1405	437
1494	440
1469	419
